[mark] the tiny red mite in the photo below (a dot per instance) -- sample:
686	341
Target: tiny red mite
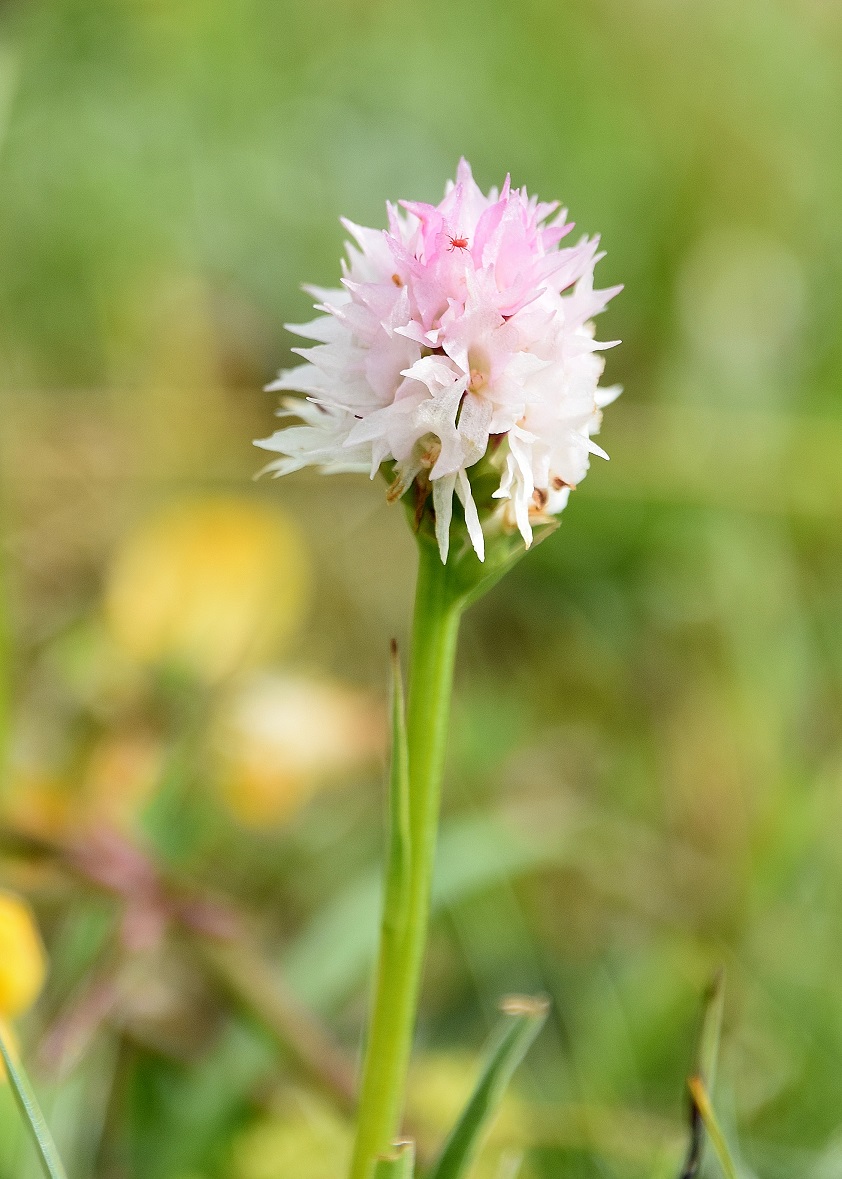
457	243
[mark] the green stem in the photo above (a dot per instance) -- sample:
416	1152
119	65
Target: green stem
438	608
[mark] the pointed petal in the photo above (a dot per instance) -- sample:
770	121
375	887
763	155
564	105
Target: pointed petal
466	497
443	507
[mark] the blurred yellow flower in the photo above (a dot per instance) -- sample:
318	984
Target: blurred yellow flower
211	585
22	959
120	771
282	737
305	1140
38	802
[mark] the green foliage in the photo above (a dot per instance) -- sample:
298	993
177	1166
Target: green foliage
522	1020
702	1103
711	1031
398	850
399	1165
703	1077
31	1115
329	958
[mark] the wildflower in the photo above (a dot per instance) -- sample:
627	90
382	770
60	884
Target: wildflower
22	961
460	346
210	585
283	737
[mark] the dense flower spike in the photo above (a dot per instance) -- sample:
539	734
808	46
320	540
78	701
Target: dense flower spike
464	330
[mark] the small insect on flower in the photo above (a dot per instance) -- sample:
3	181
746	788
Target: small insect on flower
457	243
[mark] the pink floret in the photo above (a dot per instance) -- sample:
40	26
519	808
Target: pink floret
462	321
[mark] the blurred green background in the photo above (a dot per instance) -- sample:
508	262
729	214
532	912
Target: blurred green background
645	778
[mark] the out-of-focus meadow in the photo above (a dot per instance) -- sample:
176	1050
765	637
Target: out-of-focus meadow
645	774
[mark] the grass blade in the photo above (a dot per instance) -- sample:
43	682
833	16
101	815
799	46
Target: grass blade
397	871
31	1114
398	1165
707	1052
523	1019
701	1101
389	1039
709	1037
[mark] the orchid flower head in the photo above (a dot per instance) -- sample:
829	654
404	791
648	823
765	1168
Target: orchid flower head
460	341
